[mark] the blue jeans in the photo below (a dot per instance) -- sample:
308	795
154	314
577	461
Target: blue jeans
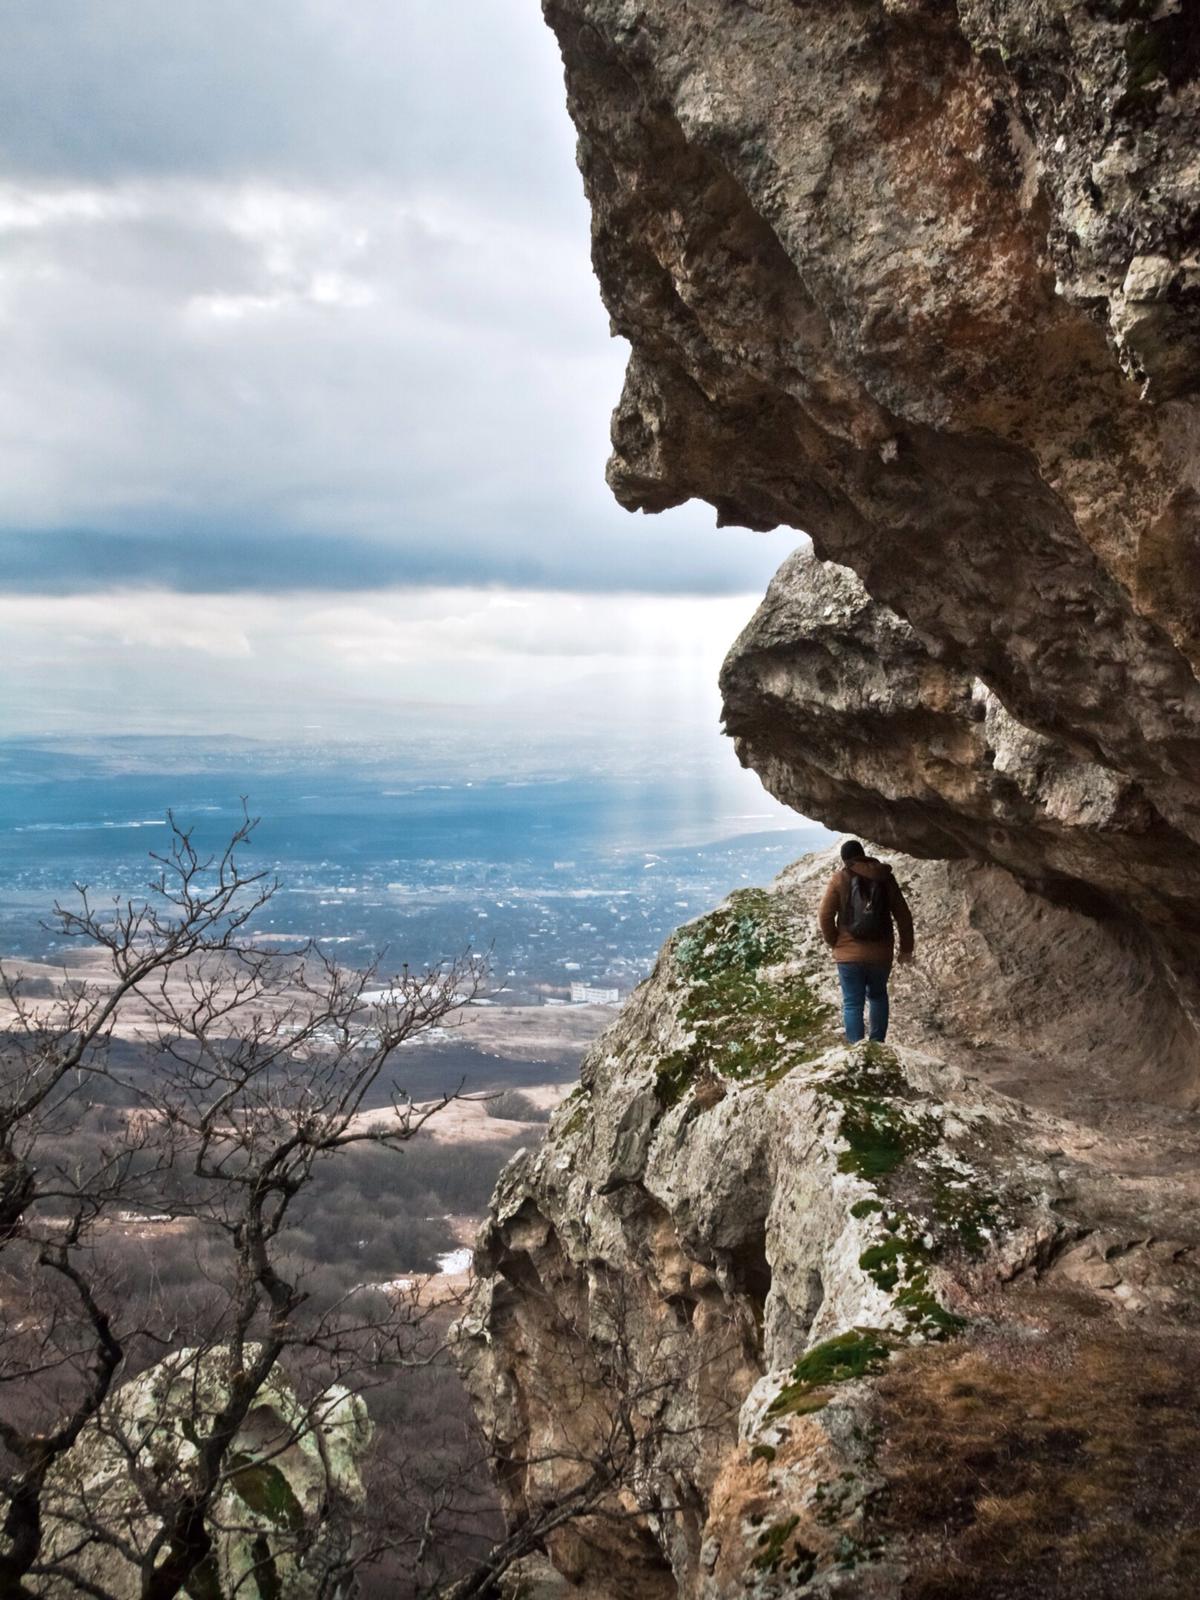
862	981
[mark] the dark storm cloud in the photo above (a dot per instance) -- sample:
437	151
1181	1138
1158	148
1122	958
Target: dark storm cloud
204	559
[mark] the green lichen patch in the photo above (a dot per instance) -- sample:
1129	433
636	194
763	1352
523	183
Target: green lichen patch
674	1077
964	1210
860	1353
850	1552
934	1202
579	1099
881	1130
742	1021
798	1400
897	1258
739	937
849	1355
763	1452
878	1141
772	1545
838	1505
899	1265
924	1312
885	1263
834	1498
265	1490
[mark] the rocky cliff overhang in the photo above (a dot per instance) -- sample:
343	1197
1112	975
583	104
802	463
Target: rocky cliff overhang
840	708
922	281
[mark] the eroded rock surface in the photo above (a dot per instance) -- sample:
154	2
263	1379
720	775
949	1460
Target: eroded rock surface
839	707
740	1231
920	279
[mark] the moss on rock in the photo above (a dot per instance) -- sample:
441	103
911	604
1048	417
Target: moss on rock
773	1543
860	1353
742	1020
880	1130
934	1202
578	1099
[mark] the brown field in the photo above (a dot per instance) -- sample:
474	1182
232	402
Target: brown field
516	1033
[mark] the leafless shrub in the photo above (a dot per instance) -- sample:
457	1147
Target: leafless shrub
263	1064
514	1106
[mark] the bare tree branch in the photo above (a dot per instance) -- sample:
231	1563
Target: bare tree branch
265	1068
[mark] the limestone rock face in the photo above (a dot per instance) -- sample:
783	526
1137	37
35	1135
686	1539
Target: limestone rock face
839	707
918	278
740	1231
283	1522
921	279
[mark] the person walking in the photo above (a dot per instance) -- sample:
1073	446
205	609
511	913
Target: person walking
861	910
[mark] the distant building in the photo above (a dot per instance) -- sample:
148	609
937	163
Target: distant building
584	994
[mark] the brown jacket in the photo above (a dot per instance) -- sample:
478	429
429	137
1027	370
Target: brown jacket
835	905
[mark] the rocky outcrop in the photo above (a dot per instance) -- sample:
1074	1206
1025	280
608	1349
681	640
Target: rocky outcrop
742	1241
920	279
283	1519
842	711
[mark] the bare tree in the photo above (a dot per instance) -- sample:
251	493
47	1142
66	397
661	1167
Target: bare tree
261	1067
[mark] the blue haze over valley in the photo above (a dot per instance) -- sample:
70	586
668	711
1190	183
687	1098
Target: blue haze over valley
558	878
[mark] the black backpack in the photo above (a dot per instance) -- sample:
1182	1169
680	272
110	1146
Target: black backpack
868	914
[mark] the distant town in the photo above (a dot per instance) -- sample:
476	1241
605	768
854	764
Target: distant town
414	876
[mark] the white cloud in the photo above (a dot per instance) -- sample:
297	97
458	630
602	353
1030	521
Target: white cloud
314	318
266	664
424	374
26	210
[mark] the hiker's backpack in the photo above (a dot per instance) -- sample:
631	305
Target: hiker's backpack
868	914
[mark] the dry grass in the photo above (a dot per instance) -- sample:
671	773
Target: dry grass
552	1034
1042	1468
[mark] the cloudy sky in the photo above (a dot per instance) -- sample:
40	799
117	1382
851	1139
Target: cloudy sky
306	382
